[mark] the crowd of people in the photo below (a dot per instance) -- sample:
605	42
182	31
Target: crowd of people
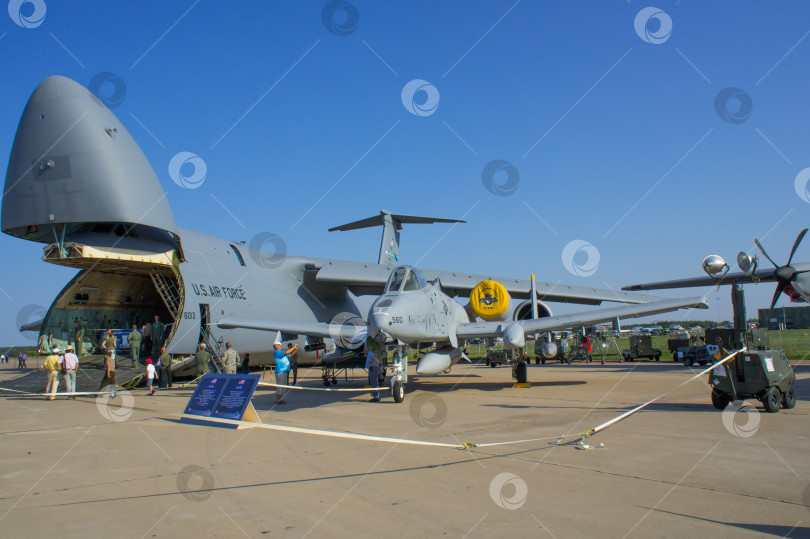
148	342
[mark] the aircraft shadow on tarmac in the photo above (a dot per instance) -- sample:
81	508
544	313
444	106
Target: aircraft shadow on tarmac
770	529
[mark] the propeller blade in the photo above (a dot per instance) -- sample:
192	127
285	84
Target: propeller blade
796	245
776	294
762	250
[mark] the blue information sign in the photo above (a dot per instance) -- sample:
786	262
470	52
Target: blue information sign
225	396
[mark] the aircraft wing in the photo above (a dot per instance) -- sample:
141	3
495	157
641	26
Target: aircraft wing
540	325
762	275
371	278
353	332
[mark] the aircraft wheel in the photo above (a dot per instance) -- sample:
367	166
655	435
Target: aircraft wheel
326	383
789	398
334	381
543	361
772	400
399	391
720	400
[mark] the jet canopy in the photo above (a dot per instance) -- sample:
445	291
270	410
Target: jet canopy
405	279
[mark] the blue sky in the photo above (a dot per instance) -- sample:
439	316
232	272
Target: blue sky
617	140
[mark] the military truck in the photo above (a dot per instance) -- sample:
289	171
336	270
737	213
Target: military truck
641	346
678	345
700	354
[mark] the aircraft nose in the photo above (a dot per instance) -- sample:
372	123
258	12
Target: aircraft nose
378	325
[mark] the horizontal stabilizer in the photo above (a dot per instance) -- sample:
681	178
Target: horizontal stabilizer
398	218
392	224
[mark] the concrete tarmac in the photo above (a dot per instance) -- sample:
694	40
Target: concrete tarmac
95	467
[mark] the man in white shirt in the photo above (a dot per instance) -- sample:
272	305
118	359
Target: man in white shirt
70	362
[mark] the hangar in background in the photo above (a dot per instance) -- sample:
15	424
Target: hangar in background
785	318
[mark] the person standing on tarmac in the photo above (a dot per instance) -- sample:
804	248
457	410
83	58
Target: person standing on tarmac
52	366
202	361
109	374
70	362
135	339
231	359
150	376
282	369
293	364
165	368
373	367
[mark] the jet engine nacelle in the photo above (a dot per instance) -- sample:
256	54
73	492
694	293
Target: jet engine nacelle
524	310
438	361
490	300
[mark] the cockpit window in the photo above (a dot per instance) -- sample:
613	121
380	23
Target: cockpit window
411	282
405	278
395	281
238	254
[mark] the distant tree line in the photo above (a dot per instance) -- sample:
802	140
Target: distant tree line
686	324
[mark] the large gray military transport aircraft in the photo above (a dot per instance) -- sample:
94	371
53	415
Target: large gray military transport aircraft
78	183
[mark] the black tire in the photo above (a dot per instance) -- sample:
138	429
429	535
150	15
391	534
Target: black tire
658	357
398	391
675	356
493	365
772	400
543	360
789	398
689	362
720	400
520	373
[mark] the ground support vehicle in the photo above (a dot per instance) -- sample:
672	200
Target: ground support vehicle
641	346
563	347
765	375
496	357
701	354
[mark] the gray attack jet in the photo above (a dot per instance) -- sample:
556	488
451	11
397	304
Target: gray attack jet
78	183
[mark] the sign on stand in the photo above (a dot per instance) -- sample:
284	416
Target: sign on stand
221	398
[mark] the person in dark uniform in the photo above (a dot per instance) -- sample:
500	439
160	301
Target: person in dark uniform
165	368
78	338
135	339
202	361
157	335
109	374
293	363
246	364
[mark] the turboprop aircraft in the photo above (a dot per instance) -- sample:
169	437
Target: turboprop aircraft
791	279
78	183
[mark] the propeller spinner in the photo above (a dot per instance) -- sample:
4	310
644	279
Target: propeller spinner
784	274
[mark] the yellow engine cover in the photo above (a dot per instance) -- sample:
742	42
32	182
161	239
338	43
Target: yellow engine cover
489	299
